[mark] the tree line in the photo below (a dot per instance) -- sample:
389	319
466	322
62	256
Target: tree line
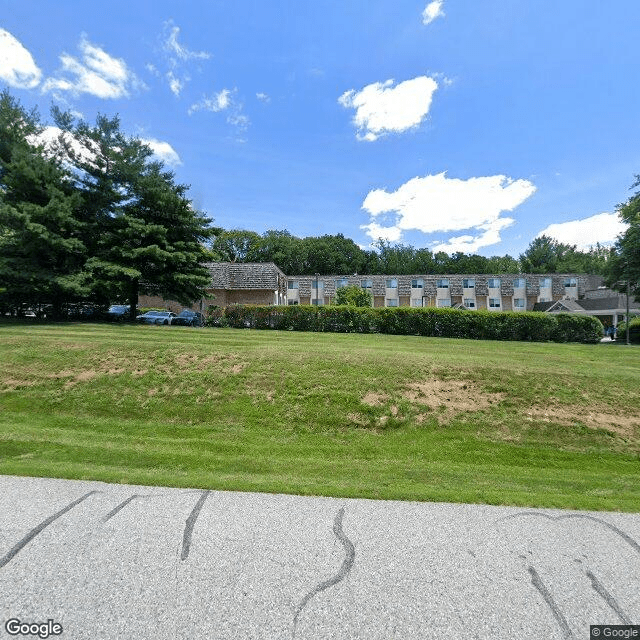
333	254
91	217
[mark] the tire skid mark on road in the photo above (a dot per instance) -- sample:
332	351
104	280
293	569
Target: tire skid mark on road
11	554
626	537
190	523
600	589
548	598
121	506
347	563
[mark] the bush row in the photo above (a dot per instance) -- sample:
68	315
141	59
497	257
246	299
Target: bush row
443	323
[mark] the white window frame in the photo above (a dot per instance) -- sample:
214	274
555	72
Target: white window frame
366	284
391	302
417	302
470	303
442	283
443	303
543	283
517	285
417	283
468	283
495	306
519	306
293	285
391	283
491	283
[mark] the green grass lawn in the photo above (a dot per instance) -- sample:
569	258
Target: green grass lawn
373	416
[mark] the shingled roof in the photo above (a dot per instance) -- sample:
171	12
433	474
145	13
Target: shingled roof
245	275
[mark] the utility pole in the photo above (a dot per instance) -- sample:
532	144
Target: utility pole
627	332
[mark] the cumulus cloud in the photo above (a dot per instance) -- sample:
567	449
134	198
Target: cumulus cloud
95	72
63	144
178	57
217	102
163	151
383	108
17	67
436	203
432	11
602	228
263	97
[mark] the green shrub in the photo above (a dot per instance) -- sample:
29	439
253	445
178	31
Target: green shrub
429	322
634	331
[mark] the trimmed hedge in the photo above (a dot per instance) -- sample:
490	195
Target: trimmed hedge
432	322
634	331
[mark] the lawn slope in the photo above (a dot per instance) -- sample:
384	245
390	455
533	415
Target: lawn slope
324	414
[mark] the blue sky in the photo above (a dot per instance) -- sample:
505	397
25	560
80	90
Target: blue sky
460	125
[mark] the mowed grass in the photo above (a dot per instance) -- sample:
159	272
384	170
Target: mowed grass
374	416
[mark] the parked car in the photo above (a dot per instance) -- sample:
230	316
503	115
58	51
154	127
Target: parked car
189	318
156	317
118	312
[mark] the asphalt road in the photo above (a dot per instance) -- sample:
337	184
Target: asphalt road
127	562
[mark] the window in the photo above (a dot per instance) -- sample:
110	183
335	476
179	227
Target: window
392	283
494	303
366	284
519	283
545	283
570	282
443	302
343	282
292	302
443	283
493	283
470	303
416	302
417	284
294	284
392	302
317	283
468	283
544	300
518	303
319	302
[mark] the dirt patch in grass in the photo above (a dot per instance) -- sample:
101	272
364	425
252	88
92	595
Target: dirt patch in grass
594	417
449	397
375	399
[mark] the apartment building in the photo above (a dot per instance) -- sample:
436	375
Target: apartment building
499	292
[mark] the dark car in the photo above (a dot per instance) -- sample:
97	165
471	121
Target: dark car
156	317
189	318
118	312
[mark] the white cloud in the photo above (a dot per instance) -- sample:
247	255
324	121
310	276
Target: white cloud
382	108
603	228
218	102
96	73
175	84
225	100
163	151
55	140
436	203
432	11
178	51
263	97
17	67
177	58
